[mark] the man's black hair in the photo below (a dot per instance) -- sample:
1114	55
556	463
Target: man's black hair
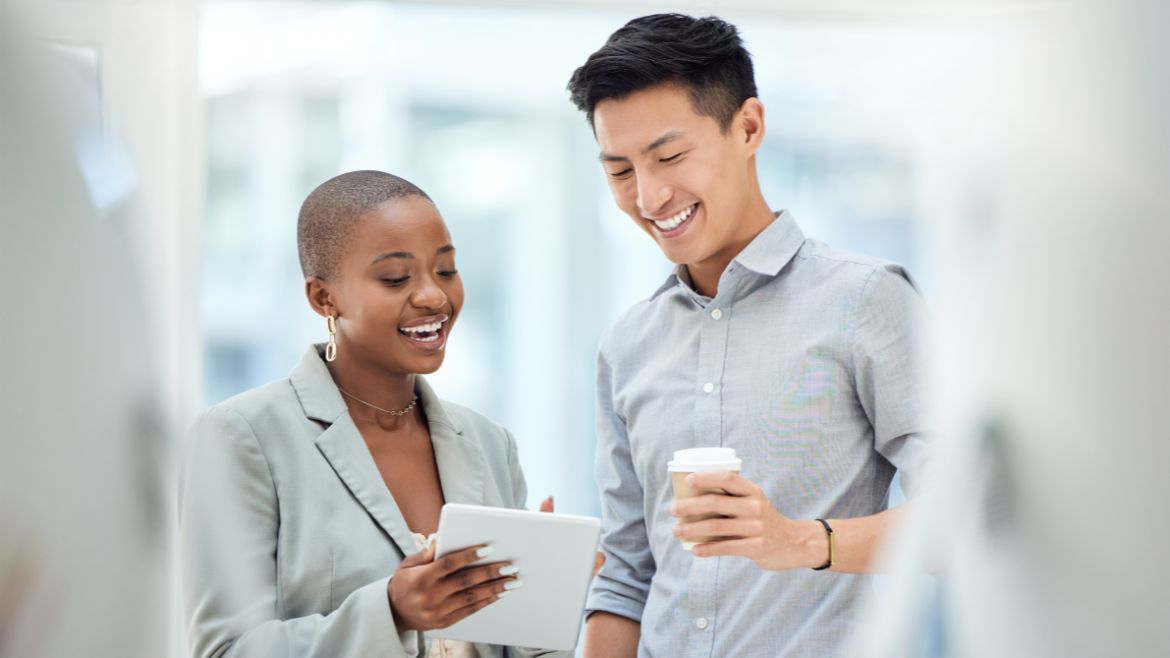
706	56
329	215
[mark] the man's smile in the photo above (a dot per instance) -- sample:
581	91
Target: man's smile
676	223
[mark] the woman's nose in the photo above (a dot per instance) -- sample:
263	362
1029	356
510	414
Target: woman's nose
429	294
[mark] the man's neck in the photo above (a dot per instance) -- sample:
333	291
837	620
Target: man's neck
705	275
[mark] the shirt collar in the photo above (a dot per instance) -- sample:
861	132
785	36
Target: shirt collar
766	254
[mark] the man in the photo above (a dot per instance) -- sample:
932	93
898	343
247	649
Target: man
799	357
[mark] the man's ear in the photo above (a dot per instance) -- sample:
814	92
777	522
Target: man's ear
320	296
749	124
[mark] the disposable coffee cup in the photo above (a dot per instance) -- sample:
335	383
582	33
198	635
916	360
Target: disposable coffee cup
700	460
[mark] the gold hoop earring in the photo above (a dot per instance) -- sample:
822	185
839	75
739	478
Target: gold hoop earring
331	346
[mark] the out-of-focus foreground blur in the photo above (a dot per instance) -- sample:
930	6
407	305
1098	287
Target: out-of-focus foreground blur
1016	155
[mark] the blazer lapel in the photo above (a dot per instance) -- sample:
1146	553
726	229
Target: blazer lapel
344	448
459	456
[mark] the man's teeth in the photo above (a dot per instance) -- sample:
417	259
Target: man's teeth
671	223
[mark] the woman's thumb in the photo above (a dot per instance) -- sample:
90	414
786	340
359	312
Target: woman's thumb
421	557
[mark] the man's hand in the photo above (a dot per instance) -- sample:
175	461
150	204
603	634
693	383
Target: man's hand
752	526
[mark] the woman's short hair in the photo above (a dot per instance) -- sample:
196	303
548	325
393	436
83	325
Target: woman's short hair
329	215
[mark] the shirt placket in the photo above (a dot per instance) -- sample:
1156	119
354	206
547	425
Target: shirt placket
702	579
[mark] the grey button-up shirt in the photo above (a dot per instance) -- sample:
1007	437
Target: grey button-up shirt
806	363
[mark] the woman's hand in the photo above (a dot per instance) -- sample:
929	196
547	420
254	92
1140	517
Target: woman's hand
426	593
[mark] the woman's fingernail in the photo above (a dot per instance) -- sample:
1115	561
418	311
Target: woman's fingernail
503	593
691	480
514	584
508	570
485	551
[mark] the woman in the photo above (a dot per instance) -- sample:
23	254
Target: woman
305	503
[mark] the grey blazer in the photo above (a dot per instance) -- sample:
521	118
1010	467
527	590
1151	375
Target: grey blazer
288	534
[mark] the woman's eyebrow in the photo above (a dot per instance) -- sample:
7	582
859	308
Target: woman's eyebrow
445	249
392	254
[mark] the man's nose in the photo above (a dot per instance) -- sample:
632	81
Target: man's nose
653	195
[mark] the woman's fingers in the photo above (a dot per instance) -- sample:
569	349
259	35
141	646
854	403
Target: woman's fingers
546	505
466	601
471	576
456	560
467	610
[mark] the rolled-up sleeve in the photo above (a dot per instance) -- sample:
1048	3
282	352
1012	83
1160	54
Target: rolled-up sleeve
622	585
888	366
228	525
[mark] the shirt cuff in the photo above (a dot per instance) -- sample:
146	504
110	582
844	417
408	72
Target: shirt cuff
613	603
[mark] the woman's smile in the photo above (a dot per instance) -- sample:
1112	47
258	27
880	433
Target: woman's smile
428	333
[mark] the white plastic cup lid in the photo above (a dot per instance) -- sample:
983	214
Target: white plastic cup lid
704	459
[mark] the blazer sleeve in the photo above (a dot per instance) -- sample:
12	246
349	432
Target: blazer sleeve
229	516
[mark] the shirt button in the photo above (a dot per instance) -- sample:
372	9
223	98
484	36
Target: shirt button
716	314
701	623
708	387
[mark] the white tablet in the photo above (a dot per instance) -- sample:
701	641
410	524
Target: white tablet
554	554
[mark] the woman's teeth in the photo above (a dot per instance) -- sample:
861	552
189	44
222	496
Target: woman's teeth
424	333
671	223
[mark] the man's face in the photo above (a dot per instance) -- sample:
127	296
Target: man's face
675	173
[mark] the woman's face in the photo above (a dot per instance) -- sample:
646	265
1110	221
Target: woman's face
397	292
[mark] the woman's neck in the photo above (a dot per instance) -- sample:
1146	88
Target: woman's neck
366	389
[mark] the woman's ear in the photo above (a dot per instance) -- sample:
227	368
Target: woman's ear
750	124
320	296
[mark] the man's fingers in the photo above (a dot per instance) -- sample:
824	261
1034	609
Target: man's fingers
741	547
456	560
546	505
598	562
718	504
729	481
719	528
471	576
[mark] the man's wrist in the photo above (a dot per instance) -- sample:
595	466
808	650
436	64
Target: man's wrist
813	544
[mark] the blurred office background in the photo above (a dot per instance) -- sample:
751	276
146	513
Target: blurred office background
1013	154
469	101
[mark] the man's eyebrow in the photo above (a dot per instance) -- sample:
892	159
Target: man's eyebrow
392	254
447	248
661	141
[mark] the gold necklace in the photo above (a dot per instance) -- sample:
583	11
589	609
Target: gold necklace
405	410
